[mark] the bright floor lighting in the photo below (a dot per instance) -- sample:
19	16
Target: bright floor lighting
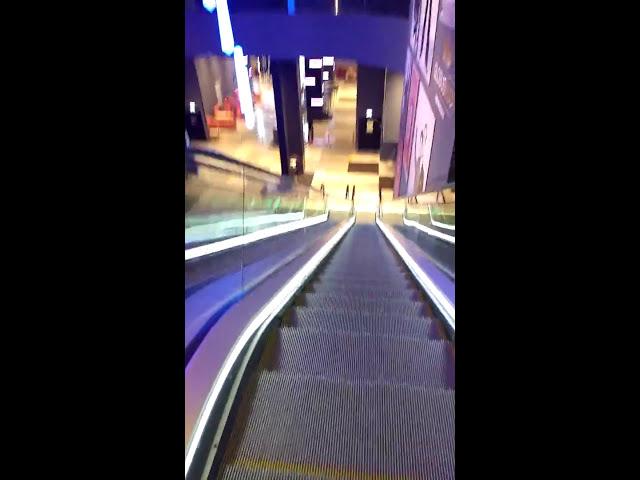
262	133
441	301
266	314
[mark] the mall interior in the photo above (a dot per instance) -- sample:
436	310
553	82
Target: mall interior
319	239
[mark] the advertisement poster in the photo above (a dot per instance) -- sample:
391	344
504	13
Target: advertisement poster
427	126
423	130
441	90
405	147
399	181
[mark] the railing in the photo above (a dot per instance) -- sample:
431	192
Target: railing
226	199
233	296
432	263
436	210
242	224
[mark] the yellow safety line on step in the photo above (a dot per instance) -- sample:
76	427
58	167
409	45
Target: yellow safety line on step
306	469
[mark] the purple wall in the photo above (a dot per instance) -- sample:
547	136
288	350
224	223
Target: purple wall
367	39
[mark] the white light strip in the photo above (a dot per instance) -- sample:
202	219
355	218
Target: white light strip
213	231
244	90
266	314
209	5
301	65
429	231
252	237
224	26
439	299
443	225
439	224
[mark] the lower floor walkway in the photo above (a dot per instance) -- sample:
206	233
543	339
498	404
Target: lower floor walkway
331	160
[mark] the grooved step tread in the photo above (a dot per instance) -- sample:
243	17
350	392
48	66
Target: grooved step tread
365	292
348	320
362	356
333	429
363	282
398	306
357	386
248	470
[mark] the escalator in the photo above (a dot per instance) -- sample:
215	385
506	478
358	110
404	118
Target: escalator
357	381
441	253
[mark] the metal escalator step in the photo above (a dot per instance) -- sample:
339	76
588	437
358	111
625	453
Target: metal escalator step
365	290
357	259
337	429
374	264
376	282
398	306
260	471
349	268
363	356
389	280
349	321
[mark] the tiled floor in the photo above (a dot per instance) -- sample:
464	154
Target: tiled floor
327	158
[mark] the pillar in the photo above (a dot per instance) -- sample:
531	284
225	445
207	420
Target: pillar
286	94
195	122
370	97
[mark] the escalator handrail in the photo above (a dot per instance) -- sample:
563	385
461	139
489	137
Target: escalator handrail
234	355
221	156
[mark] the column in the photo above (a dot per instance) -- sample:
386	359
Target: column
195	120
286	94
369	105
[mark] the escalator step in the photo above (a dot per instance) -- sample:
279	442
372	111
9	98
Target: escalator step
362	282
350	267
349	321
364	291
267	472
362	356
382	279
390	306
337	429
367	264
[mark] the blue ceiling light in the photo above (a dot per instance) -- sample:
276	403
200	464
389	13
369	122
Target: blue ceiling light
209	5
291	7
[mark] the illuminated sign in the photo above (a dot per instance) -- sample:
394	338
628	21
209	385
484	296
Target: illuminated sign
317	102
325	75
192	107
315	63
310	81
369	112
327	61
